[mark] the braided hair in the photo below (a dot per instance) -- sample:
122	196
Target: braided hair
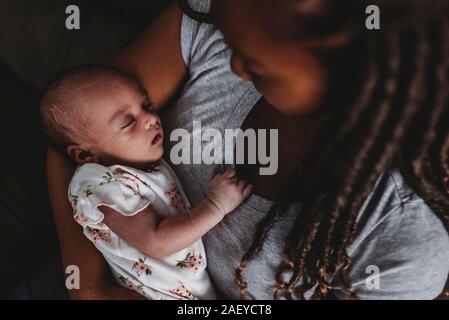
399	118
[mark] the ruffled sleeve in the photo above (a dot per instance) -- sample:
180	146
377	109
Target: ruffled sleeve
94	185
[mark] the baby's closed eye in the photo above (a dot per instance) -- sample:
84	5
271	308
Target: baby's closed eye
128	121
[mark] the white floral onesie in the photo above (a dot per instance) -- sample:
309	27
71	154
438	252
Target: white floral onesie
181	275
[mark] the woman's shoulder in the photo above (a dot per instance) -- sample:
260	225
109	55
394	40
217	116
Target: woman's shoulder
200	5
394	211
201	43
401	239
389	194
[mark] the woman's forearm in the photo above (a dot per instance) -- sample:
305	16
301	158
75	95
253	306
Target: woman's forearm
95	279
105	290
155	57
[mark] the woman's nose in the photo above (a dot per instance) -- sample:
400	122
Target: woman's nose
238	67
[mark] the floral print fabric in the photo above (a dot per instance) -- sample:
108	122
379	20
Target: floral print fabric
127	190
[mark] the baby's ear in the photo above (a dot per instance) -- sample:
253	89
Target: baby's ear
81	156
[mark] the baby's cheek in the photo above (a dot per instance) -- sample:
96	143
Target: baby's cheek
128	150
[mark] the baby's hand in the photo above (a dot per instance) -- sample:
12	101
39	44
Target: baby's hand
226	192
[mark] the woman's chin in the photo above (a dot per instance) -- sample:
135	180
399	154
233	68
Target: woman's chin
294	108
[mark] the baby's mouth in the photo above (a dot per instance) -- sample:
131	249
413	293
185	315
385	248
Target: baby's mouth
157	139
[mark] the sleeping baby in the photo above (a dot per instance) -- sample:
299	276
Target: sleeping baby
124	195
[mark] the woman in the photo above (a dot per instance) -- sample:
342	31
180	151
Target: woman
349	106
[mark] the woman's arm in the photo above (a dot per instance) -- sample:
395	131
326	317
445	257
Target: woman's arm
95	279
155	57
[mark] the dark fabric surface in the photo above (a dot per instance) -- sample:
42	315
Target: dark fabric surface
27	237
34	44
45	284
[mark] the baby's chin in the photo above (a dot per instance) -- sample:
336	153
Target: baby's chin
155	157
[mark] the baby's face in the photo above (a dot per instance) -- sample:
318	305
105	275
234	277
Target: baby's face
124	127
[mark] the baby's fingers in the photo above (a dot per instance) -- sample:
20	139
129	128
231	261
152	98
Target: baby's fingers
247	190
242	184
230	173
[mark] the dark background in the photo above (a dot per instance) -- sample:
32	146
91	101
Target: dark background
34	44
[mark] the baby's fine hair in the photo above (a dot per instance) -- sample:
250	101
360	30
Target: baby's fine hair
65	93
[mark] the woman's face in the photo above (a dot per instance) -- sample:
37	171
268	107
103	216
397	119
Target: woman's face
290	76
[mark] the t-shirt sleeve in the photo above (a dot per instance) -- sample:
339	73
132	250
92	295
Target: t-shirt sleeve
405	256
94	186
200	42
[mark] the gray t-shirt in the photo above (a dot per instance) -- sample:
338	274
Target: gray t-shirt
398	234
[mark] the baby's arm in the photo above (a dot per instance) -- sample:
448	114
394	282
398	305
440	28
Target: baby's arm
160	237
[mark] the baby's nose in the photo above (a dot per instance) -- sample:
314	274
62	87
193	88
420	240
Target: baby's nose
151	122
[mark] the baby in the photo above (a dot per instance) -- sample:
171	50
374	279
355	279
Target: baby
124	195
